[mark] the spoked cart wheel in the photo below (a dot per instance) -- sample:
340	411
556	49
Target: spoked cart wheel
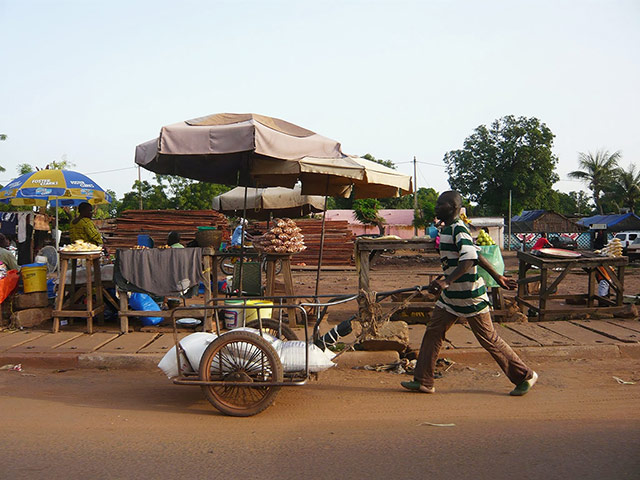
240	357
274	328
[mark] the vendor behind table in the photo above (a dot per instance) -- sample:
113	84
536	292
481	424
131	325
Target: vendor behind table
83	228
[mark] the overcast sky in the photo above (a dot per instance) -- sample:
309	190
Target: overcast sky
88	81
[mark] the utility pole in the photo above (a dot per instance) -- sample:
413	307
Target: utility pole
415	197
509	242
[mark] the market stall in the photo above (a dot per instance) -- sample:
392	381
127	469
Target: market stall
551	267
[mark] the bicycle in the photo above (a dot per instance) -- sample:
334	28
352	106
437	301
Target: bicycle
230	258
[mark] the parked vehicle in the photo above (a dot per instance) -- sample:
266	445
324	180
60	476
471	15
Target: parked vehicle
633	250
627	238
563	241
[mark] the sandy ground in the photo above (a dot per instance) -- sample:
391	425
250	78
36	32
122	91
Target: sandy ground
578	422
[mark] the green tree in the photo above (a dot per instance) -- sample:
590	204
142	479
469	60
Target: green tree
626	187
515	155
186	194
426	207
153	197
366	211
598	172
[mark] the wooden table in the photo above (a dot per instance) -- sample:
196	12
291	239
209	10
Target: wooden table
285	258
70	308
365	247
209	271
614	267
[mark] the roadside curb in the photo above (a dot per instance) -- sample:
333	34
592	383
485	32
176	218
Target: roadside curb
346	360
138	361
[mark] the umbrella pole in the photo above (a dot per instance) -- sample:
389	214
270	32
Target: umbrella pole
324	216
244	216
57	239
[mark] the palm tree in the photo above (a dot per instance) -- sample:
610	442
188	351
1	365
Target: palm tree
597	171
627	187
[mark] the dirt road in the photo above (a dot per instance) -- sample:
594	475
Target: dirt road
578	422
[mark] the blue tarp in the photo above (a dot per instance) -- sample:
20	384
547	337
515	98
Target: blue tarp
629	220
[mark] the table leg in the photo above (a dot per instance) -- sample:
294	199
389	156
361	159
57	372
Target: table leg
288	287
620	291
591	287
124	306
62	276
97	277
543	295
89	266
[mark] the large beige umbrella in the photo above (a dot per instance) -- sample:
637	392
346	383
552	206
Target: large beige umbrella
262	202
225	147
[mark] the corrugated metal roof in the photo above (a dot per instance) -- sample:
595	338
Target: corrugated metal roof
608	220
527	215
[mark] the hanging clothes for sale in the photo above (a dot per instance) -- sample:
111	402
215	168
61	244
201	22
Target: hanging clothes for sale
8	223
25	237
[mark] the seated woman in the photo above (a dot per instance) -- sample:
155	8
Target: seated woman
83	228
6	256
173	240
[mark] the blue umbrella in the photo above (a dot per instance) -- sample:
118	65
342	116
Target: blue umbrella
57	187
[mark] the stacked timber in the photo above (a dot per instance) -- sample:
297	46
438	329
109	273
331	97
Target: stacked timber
338	242
123	233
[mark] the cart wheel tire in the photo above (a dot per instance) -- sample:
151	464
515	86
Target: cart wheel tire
278	266
243	357
226	266
274	328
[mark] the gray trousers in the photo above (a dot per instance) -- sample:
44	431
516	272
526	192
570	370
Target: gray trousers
482	327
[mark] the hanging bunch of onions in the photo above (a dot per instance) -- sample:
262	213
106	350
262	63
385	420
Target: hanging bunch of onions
284	237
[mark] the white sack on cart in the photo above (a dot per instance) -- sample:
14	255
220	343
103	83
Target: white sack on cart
292	356
268	337
169	363
194	346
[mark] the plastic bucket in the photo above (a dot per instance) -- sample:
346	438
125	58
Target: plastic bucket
238	317
34	277
252	314
233	316
145	241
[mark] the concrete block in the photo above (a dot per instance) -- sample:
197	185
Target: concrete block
30	300
391	336
32	317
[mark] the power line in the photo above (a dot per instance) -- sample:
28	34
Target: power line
109	171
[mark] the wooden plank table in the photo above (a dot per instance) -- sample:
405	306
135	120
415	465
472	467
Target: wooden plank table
70	308
614	267
209	270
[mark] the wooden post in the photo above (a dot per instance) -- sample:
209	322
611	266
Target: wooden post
124	306
206	260
544	294
591	287
89	267
64	264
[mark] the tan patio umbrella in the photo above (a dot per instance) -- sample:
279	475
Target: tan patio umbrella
263	202
225	147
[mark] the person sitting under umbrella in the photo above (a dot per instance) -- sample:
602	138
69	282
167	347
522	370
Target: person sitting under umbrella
6	256
83	228
173	240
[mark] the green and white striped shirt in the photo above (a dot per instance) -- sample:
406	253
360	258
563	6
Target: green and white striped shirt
467	296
